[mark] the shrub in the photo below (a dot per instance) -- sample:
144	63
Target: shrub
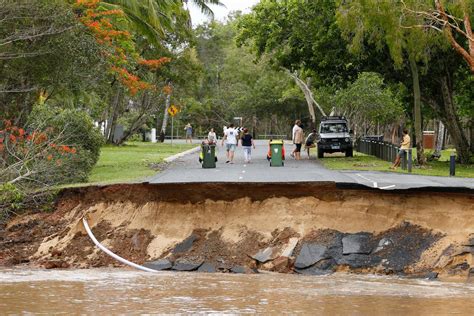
11	199
78	131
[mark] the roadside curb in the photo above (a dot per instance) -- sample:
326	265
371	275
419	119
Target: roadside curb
184	153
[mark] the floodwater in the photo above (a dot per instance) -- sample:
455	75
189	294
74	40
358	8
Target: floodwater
116	291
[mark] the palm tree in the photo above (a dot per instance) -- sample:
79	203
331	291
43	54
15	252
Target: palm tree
204	5
153	18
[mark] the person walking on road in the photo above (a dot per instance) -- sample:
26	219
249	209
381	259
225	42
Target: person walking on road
189	133
293	131
310	141
230	138
298	139
404	146
212	137
247	144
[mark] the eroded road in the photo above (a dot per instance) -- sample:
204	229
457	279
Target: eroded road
188	169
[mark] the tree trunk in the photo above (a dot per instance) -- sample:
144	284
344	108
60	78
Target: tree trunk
453	124
166	115
471	134
468	55
308	94
417	111
112	116
139	120
439	140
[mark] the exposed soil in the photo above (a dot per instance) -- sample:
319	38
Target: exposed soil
225	225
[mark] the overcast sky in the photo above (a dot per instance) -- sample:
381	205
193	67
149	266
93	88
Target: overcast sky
221	12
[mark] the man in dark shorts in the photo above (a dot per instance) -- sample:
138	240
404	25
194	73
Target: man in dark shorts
298	139
310	141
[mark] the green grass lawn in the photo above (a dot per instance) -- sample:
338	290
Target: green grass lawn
131	162
370	163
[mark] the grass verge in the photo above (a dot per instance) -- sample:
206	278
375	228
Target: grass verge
370	163
132	161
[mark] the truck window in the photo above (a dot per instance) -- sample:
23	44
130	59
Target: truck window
334	128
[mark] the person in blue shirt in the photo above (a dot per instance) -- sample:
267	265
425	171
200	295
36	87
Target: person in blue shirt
189	133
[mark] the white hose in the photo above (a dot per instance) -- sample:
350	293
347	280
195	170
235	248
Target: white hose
110	253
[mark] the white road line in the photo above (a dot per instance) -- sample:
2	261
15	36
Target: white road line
243	171
240	178
367	179
376	185
364	177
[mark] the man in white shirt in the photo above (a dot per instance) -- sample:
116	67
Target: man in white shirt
230	138
293	132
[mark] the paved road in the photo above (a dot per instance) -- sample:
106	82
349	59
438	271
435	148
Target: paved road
188	169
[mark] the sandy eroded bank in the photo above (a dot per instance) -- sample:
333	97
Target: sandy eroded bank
304	228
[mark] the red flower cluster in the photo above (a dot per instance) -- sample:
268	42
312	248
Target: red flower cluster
119	46
20	142
154	63
167	90
132	82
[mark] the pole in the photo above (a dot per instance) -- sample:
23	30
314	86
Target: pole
172	127
452	165
409	160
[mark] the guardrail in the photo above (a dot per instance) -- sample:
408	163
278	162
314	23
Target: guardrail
385	151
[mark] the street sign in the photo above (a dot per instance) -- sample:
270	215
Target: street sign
173	110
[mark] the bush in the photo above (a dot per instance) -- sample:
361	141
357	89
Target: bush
78	132
11	199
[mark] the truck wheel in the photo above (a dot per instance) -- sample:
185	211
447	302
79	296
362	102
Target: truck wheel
349	153
320	153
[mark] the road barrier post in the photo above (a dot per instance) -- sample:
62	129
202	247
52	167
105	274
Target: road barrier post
404	161
410	160
452	165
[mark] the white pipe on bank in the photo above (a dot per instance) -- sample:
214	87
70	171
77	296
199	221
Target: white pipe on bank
110	253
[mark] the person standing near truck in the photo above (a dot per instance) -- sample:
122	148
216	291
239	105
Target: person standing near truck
293	131
310	141
298	140
230	138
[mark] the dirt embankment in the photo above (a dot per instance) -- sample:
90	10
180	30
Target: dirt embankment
294	228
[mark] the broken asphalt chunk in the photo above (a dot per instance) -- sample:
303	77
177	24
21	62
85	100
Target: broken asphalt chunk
356	244
309	255
161	264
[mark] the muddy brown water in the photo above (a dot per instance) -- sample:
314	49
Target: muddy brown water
119	291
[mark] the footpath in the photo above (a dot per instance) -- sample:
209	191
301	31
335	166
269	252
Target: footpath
187	169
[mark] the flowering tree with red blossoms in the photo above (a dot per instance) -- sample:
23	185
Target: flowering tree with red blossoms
30	163
118	44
